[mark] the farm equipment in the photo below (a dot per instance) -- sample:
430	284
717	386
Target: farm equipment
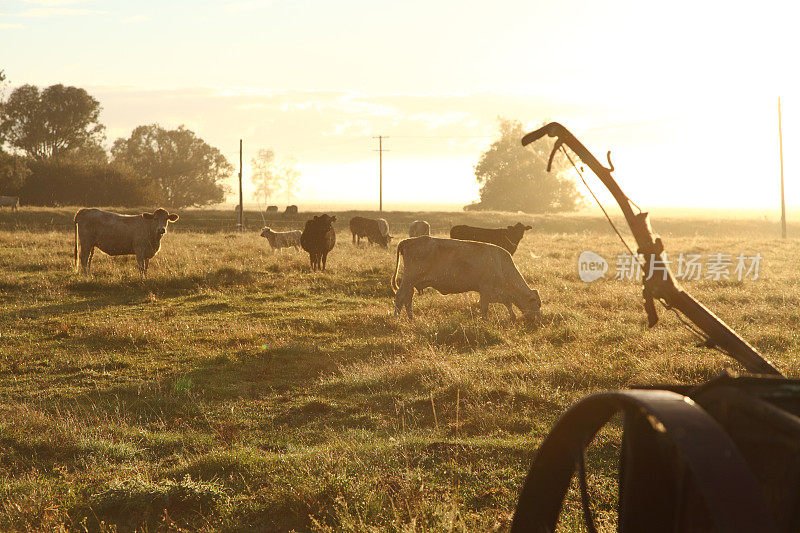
722	456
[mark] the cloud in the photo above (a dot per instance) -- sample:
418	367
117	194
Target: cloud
46	12
134	19
54	3
248	5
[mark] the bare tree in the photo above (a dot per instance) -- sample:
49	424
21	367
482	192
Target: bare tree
272	177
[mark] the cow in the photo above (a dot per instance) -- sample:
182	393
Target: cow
371	229
282	239
115	234
290	210
451	266
272	209
507	238
10	201
419	228
318	238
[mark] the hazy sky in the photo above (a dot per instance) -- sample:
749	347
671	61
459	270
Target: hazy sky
683	93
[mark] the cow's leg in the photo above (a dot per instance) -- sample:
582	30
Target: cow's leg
140	261
324	260
146	266
85	256
510	310
354	238
484	306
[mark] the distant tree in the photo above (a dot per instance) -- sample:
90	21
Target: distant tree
13	173
264	175
515	178
272	177
185	169
289	181
71	182
52	122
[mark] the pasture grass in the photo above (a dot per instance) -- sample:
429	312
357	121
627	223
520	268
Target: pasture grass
235	390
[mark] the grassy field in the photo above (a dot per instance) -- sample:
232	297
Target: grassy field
235	390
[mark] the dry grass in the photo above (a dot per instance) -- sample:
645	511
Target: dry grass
234	389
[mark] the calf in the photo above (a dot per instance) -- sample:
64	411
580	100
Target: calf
419	228
318	238
10	201
369	228
452	266
507	238
282	239
114	234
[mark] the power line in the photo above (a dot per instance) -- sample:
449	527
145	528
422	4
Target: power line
380	151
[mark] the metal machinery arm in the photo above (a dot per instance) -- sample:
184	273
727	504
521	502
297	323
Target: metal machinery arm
662	286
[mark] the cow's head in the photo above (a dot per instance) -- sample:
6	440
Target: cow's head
268	234
533	307
325	221
383	240
159	220
516	232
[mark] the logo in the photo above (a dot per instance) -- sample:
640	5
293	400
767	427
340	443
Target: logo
591	266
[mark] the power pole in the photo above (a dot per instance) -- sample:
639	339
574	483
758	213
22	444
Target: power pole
241	200
783	198
380	151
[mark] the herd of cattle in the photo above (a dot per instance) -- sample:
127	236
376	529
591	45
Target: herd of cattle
472	259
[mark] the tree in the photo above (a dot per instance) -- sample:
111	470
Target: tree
71	182
47	124
289	181
271	176
13	173
264	175
515	178
185	169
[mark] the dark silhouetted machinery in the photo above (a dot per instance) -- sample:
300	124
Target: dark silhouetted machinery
719	456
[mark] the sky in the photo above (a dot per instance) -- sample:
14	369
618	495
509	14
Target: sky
684	94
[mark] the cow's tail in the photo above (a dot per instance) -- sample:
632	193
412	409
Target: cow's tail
75	249
395	287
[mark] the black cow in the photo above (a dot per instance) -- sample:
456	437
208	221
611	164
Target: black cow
290	210
318	239
369	228
272	209
507	238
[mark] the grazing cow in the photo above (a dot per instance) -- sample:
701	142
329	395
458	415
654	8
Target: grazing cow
318	239
451	266
369	228
114	234
282	239
10	201
290	210
419	228
272	209
507	238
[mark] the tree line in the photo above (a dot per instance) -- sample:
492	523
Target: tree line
51	153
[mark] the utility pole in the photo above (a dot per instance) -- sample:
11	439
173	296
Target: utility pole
380	151
783	198
241	198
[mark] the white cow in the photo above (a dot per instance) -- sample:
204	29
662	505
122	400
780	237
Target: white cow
114	234
282	239
419	228
451	266
10	201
